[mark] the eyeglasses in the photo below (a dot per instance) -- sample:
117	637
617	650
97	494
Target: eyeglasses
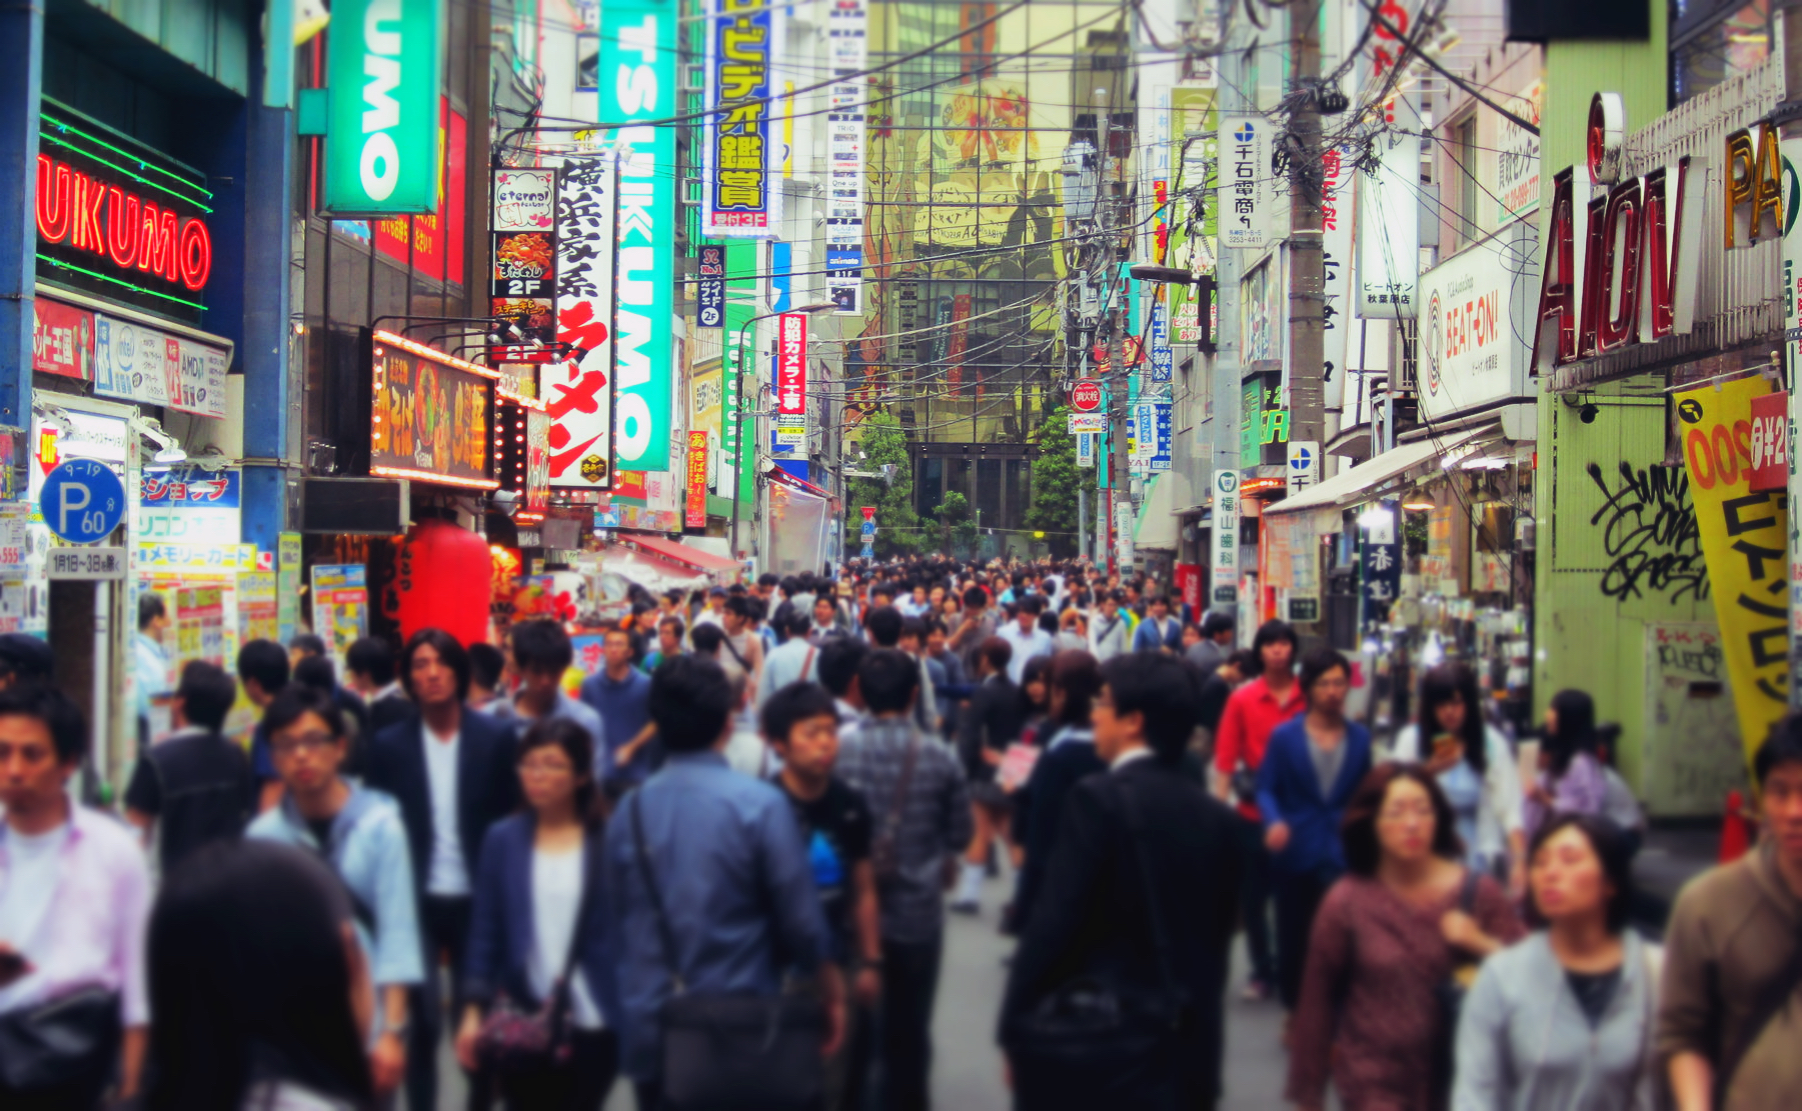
287	746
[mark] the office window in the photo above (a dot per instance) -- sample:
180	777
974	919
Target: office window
1464	146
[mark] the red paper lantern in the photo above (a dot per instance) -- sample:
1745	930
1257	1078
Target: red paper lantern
444	579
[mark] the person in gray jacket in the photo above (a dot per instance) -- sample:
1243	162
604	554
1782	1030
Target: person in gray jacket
1564	1021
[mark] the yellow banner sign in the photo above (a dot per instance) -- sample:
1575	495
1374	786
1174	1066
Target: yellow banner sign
1745	540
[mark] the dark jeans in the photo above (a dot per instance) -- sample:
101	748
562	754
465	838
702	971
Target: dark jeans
648	1093
848	1070
910	983
444	928
581	1084
1254	896
1297	899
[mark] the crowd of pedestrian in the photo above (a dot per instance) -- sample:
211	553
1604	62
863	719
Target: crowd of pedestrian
719	868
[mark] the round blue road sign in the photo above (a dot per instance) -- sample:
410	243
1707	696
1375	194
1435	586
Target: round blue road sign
82	500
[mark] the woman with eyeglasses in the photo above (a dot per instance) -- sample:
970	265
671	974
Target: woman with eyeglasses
537	934
1393	941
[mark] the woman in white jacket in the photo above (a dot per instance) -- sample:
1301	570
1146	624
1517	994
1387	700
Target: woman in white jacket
1566	1019
1475	767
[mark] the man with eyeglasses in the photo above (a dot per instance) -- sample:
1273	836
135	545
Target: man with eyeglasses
358	833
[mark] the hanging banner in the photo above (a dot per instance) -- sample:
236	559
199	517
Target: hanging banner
847	49
740	156
1745	542
1224	549
791	366
638	81
1163	359
1389	229
381	139
1164	437
1336	269
1247	195
578	390
710	291
1085	449
1380	566
695	504
522	283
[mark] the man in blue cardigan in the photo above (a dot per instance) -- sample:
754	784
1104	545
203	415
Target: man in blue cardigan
1313	764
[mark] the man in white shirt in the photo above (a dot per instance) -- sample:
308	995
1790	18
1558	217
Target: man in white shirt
1108	629
452	771
1024	636
74	894
791	661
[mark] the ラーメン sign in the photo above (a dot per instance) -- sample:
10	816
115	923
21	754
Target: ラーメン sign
381	141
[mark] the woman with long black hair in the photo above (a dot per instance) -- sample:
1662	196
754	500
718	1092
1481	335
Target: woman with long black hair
1475	768
260	991
1571	779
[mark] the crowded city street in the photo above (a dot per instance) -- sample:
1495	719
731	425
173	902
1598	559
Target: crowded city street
892	555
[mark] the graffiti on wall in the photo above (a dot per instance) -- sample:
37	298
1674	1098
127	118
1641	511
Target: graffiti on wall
1648	530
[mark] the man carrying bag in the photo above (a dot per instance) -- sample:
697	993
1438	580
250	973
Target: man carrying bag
712	900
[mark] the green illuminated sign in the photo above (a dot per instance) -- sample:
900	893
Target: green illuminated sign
381	140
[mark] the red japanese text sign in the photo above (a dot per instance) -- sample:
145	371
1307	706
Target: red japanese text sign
791	364
696	504
1769	469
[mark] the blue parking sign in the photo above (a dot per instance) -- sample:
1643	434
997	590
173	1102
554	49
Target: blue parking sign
82	500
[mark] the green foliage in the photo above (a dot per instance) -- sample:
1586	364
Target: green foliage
897	525
957	525
1055	480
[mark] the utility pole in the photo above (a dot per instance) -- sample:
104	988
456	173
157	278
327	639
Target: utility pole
1118	376
1307	276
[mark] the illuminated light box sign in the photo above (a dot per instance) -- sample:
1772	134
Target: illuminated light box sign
430	415
152	366
120	219
381	140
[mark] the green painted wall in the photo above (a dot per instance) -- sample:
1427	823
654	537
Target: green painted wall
1587	636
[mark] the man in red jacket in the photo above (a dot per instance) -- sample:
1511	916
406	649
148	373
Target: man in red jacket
1252	712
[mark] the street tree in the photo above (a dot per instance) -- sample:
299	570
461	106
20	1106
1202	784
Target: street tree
897	525
1055	481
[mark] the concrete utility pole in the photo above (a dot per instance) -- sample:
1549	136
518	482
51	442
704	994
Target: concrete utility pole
1307	276
1118	374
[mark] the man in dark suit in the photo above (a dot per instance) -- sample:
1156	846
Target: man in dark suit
1095	913
370	663
989	724
451	771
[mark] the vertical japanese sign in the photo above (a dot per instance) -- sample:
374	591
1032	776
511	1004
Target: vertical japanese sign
1389	229
381	139
1745	542
1163	436
695	504
738	152
1224	550
710	294
847	50
791	364
578	390
1380	569
1163	359
638	82
1085	449
522	284
1335	261
1247	199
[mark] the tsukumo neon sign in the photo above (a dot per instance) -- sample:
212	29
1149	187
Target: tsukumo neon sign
116	224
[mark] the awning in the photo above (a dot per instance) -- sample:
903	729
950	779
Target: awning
654	574
1358	482
678	552
1156	527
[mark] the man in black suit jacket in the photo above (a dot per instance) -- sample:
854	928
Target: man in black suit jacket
1095	914
451	769
370	664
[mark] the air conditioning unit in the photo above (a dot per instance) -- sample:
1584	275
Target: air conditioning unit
355	506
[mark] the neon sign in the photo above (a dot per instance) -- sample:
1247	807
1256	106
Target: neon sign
134	233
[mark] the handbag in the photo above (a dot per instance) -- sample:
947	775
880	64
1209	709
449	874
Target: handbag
732	1052
61	1043
1092	1039
515	1040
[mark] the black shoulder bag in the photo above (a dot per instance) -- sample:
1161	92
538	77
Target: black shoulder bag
1097	1039
732	1052
515	1041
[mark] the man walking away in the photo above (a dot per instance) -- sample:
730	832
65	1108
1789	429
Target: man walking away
916	795
370	663
837	667
801	725
977	625
74	899
793	661
193	786
1730	1009
541	654
263	669
451	771
1216	642
358	834
730	870
1145	863
884	626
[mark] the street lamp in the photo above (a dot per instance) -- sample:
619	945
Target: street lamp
738	410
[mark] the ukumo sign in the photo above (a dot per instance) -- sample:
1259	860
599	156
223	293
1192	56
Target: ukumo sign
1634	280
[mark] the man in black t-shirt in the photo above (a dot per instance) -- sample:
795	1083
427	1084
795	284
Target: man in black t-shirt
196	783
800	723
